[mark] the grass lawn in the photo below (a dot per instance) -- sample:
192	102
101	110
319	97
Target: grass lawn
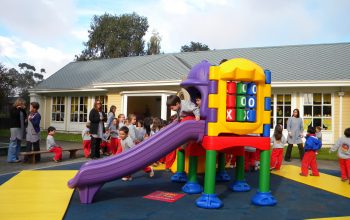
323	154
58	136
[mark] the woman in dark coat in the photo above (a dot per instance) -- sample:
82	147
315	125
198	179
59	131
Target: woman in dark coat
17	119
97	118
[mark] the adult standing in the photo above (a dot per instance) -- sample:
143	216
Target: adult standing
97	118
17	120
295	127
111	115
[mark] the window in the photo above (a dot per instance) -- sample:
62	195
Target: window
282	104
318	110
57	109
104	101
78	109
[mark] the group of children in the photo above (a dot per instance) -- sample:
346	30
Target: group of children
313	143
123	134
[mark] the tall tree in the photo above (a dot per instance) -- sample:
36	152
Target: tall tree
27	79
7	83
153	46
194	46
114	36
14	83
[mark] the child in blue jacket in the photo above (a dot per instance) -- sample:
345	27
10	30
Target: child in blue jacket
312	145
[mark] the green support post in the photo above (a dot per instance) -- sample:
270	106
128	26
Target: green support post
221	162
264	174
210	171
239	168
180	161
192	170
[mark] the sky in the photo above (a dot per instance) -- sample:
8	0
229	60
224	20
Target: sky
49	33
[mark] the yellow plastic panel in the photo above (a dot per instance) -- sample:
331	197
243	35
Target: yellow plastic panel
36	195
325	182
238	70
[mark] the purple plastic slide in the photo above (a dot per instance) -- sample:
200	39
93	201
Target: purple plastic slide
93	174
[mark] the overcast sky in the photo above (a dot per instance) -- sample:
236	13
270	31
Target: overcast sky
48	33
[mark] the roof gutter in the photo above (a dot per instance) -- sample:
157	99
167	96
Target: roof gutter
137	84
66	90
327	83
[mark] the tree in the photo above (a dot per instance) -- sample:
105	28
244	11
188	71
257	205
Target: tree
114	36
7	83
194	46
14	83
153	46
27	79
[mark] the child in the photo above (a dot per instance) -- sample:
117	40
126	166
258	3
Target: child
278	141
250	159
156	125
33	130
121	120
198	100
85	134
312	144
105	146
127	143
183	108
131	122
343	147
155	128
114	143
141	131
52	146
319	133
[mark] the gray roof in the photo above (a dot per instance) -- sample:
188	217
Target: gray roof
320	62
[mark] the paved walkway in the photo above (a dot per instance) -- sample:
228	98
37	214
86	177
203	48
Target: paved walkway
47	160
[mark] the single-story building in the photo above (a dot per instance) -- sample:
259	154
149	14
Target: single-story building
312	78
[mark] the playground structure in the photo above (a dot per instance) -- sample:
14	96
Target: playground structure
235	105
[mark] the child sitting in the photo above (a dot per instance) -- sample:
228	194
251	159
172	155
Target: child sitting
85	134
52	146
312	144
343	147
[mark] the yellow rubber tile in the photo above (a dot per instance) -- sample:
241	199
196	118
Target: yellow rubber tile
36	195
332	218
161	166
324	181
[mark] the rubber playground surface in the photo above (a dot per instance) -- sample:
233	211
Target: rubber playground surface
43	194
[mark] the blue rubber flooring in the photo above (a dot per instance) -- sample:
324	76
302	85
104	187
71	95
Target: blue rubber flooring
124	200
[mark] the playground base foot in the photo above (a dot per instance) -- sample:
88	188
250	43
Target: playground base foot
222	176
209	201
192	188
179	177
264	199
87	193
240	186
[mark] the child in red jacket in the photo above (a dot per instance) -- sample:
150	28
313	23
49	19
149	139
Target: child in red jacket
312	145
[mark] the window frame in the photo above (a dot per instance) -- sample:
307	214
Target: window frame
81	103
274	105
322	116
59	105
